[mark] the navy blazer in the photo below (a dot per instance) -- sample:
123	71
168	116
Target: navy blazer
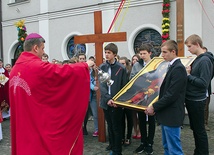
170	110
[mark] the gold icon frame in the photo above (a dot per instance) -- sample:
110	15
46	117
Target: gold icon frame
151	69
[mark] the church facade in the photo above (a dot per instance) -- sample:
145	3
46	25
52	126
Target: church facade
59	21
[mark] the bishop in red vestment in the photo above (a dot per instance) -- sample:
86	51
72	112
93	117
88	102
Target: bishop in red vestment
48	103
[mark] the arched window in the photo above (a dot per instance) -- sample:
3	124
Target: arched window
74	50
150	36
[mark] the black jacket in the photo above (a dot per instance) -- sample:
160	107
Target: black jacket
200	77
210	55
118	75
170	106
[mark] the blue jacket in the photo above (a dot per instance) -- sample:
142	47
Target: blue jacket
92	84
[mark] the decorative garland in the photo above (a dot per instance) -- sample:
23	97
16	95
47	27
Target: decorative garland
166	20
21	34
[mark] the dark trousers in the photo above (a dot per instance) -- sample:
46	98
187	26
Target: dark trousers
146	137
113	118
196	117
127	119
206	110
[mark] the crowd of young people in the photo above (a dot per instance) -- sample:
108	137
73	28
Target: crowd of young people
181	87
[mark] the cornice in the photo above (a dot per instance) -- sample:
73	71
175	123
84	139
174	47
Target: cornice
77	11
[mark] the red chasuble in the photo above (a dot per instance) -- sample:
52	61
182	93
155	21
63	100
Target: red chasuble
48	106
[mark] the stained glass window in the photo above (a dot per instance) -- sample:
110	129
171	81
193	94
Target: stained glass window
150	36
75	49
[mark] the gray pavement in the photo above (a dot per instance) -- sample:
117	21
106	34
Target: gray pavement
93	147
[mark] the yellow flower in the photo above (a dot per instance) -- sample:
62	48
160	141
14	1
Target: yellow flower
165	30
20	23
165	19
167	24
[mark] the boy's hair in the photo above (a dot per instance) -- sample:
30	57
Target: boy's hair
171	45
194	39
80	55
112	47
45	55
28	44
126	60
147	47
92	58
8	65
74	60
66	62
136	55
205	48
117	57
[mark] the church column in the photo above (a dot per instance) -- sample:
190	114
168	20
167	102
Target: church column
44	23
192	20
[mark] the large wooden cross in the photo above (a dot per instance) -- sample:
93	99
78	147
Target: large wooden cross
99	38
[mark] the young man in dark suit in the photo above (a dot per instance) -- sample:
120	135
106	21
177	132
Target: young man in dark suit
169	109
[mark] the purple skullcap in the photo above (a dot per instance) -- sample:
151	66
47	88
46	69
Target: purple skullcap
33	36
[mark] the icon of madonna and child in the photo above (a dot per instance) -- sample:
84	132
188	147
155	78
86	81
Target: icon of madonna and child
144	88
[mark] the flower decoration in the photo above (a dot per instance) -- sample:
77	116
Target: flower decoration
21	34
165	20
